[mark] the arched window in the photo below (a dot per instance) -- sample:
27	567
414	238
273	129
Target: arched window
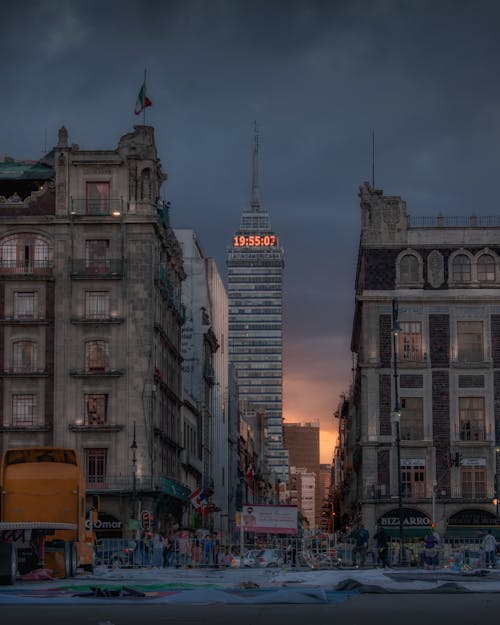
486	268
461	268
96	356
408	268
24	357
24	253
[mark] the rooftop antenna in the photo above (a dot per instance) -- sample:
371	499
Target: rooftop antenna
373	159
255	168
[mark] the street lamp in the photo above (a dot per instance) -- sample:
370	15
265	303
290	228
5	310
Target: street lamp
396	417
133	447
495	501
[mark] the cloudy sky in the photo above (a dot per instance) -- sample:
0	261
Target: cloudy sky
318	77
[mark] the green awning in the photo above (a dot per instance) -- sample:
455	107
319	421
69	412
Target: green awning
25	171
470	531
174	489
408	532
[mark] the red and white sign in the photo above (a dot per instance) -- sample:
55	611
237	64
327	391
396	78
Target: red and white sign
269	519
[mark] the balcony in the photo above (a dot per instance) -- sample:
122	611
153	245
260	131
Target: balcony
98	207
98	269
468	433
168	293
96	319
28	428
96	373
95	427
18	320
144	483
32	269
24	372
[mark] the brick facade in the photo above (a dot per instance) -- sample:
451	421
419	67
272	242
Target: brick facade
471	381
383	470
495	340
384	338
385	404
441	427
411	381
439	340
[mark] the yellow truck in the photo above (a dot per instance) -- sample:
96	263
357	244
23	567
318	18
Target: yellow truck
42	513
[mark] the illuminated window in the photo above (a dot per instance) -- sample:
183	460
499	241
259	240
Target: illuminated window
473	482
412	419
97	304
25	305
96	356
96	408
471	418
24	410
410	341
470	341
461	268
408	269
95	464
24	357
412	479
97	199
486	268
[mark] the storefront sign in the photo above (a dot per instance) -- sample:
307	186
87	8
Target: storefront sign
411	519
270	519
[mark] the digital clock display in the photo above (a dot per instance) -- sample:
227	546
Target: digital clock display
255	240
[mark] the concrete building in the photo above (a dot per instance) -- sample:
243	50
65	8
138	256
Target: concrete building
302	442
205	377
426	332
255	291
91	317
303	494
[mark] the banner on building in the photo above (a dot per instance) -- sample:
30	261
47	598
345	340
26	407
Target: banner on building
269	519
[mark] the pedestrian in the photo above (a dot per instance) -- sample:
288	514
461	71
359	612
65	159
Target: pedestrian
157	549
361	537
489	545
167	551
382	545
430	551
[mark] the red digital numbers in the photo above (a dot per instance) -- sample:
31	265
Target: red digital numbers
255	240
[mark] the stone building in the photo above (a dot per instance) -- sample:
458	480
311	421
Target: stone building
90	321
426	333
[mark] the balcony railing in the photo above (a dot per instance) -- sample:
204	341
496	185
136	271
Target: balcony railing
23	372
26	268
479	221
84	373
124	483
92	319
473	434
97	207
98	268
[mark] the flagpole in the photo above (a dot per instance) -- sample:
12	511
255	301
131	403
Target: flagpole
144	108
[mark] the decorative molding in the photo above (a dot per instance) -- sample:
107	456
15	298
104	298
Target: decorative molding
435	269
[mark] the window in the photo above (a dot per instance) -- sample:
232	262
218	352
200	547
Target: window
470	341
25	305
412	479
412	419
95	464
24	410
97	304
96	255
461	268
486	268
471	418
96	356
473	481
410	341
97	200
24	253
96	409
24	357
408	268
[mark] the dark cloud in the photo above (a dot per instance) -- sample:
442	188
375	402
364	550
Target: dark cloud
318	76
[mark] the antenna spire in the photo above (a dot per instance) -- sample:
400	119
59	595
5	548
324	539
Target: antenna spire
255	168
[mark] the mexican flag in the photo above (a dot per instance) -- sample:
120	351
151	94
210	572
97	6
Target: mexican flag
142	100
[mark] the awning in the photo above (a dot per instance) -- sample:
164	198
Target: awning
169	487
408	532
470	531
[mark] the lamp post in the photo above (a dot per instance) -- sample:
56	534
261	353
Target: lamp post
396	417
133	447
497	451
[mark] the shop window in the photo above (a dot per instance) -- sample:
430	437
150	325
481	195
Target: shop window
470	341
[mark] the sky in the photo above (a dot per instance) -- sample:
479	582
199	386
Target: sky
319	78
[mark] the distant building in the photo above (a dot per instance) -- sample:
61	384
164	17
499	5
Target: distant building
205	457
255	292
426	332
304	494
302	442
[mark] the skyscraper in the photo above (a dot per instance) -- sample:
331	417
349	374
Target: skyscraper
255	292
